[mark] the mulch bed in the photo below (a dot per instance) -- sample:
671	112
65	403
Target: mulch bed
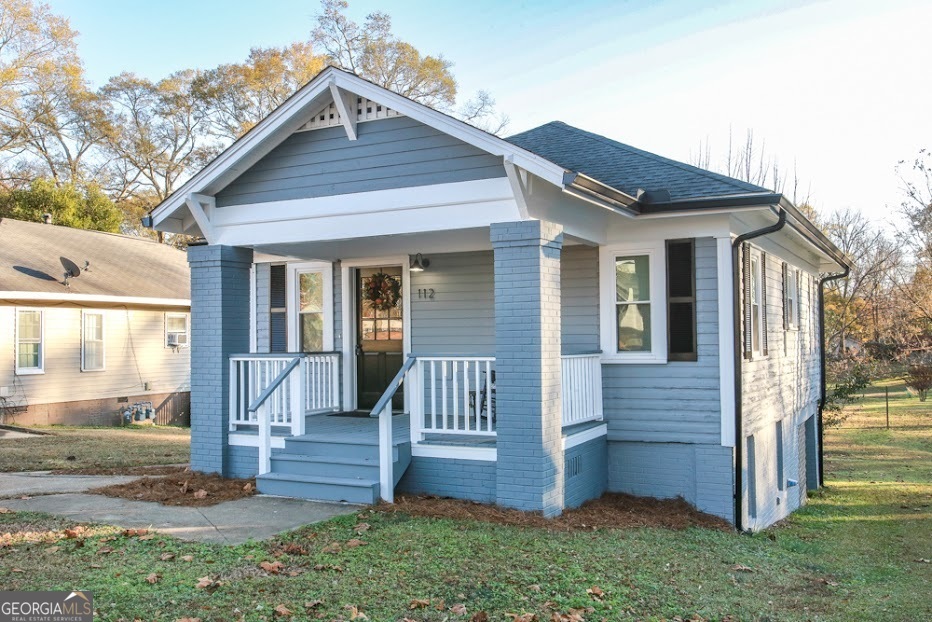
137	470
188	488
611	511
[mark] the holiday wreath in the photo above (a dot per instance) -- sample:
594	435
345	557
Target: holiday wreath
383	291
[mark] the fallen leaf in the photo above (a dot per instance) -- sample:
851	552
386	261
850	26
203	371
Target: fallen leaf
418	603
534	588
440	605
479	616
294	549
352	544
153	578
273	567
522	617
187	558
130	533
200	494
167	557
596	592
458	609
18	570
104	550
742	568
184	487
923	561
333	547
362	527
247	487
355	613
53	549
6	511
188	620
283	611
73	533
151	536
206	583
313	604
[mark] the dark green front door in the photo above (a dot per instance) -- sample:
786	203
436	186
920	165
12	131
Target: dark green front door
379	337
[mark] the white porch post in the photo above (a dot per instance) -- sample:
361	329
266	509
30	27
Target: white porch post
386	467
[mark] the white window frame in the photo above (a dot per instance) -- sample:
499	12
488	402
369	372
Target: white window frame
793	276
656	253
758	282
28	371
292	292
187	328
103	340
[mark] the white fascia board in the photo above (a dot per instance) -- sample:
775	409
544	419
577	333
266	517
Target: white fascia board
252	440
285	120
585	436
454	452
94	298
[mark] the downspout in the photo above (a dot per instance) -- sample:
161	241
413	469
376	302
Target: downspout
739	355
822	394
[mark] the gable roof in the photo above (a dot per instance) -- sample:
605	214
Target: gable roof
624	167
120	266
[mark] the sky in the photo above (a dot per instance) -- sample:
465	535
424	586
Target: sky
838	89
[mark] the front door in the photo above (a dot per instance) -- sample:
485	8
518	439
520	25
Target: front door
379	334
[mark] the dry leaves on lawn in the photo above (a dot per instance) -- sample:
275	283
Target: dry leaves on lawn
479	616
355	613
283	611
352	544
6	511
153	578
458	609
333	548
187	558
165	557
362	528
419	603
272	567
207	583
742	568
596	593
523	617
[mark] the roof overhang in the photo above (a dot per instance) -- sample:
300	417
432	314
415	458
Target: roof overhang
294	113
49	299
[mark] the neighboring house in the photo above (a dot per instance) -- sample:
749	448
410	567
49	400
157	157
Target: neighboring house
559	306
80	350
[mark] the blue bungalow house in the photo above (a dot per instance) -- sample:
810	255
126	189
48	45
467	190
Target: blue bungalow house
388	299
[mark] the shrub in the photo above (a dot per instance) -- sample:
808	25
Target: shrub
919	379
851	378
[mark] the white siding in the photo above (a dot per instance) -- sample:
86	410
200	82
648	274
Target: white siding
135	354
781	386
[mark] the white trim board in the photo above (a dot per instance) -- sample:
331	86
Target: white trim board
585	436
454	452
111	300
235	439
726	340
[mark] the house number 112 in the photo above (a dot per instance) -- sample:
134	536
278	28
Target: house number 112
426	294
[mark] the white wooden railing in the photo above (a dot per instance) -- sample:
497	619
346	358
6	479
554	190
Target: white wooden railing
454	395
582	388
313	385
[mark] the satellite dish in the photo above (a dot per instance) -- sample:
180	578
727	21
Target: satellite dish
71	268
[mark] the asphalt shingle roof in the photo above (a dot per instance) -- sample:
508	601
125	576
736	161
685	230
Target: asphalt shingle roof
31	261
624	167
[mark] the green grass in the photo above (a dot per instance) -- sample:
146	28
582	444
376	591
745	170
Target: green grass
96	447
853	554
905	409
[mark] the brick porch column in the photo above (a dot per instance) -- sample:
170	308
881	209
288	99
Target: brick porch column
529	474
219	328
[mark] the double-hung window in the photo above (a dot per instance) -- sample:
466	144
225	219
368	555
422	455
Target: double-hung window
30	346
791	283
176	330
92	341
633	305
754	273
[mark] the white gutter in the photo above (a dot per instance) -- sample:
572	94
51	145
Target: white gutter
113	300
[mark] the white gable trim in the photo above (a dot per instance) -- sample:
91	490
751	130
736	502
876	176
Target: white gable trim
293	114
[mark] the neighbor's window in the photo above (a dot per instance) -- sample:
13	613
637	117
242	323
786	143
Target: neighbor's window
311	311
633	303
92	341
30	349
681	300
176	330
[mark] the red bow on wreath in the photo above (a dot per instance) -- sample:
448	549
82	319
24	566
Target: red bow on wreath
383	291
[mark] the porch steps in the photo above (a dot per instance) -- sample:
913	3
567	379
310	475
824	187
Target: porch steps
331	469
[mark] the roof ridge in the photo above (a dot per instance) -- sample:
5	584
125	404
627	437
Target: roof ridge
737	183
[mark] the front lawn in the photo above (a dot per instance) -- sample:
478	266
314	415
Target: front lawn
95	448
859	551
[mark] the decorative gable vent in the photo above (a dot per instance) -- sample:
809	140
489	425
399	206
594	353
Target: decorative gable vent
366	110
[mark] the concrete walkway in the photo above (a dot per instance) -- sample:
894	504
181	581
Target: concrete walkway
44	483
231	522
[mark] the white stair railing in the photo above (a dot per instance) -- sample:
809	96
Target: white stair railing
582	388
259	408
383	410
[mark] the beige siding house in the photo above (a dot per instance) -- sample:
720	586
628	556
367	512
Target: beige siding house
91	324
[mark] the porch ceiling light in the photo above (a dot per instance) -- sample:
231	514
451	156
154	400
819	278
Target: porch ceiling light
419	263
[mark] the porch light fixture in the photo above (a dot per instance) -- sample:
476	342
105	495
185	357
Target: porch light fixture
419	263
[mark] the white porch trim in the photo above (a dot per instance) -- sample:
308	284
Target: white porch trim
252	440
348	294
454	452
585	436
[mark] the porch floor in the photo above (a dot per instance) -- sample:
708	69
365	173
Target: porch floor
362	430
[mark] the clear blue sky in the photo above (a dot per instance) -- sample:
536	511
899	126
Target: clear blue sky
840	87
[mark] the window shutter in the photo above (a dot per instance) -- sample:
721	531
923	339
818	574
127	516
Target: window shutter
799	297
278	323
746	273
681	300
786	310
763	303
